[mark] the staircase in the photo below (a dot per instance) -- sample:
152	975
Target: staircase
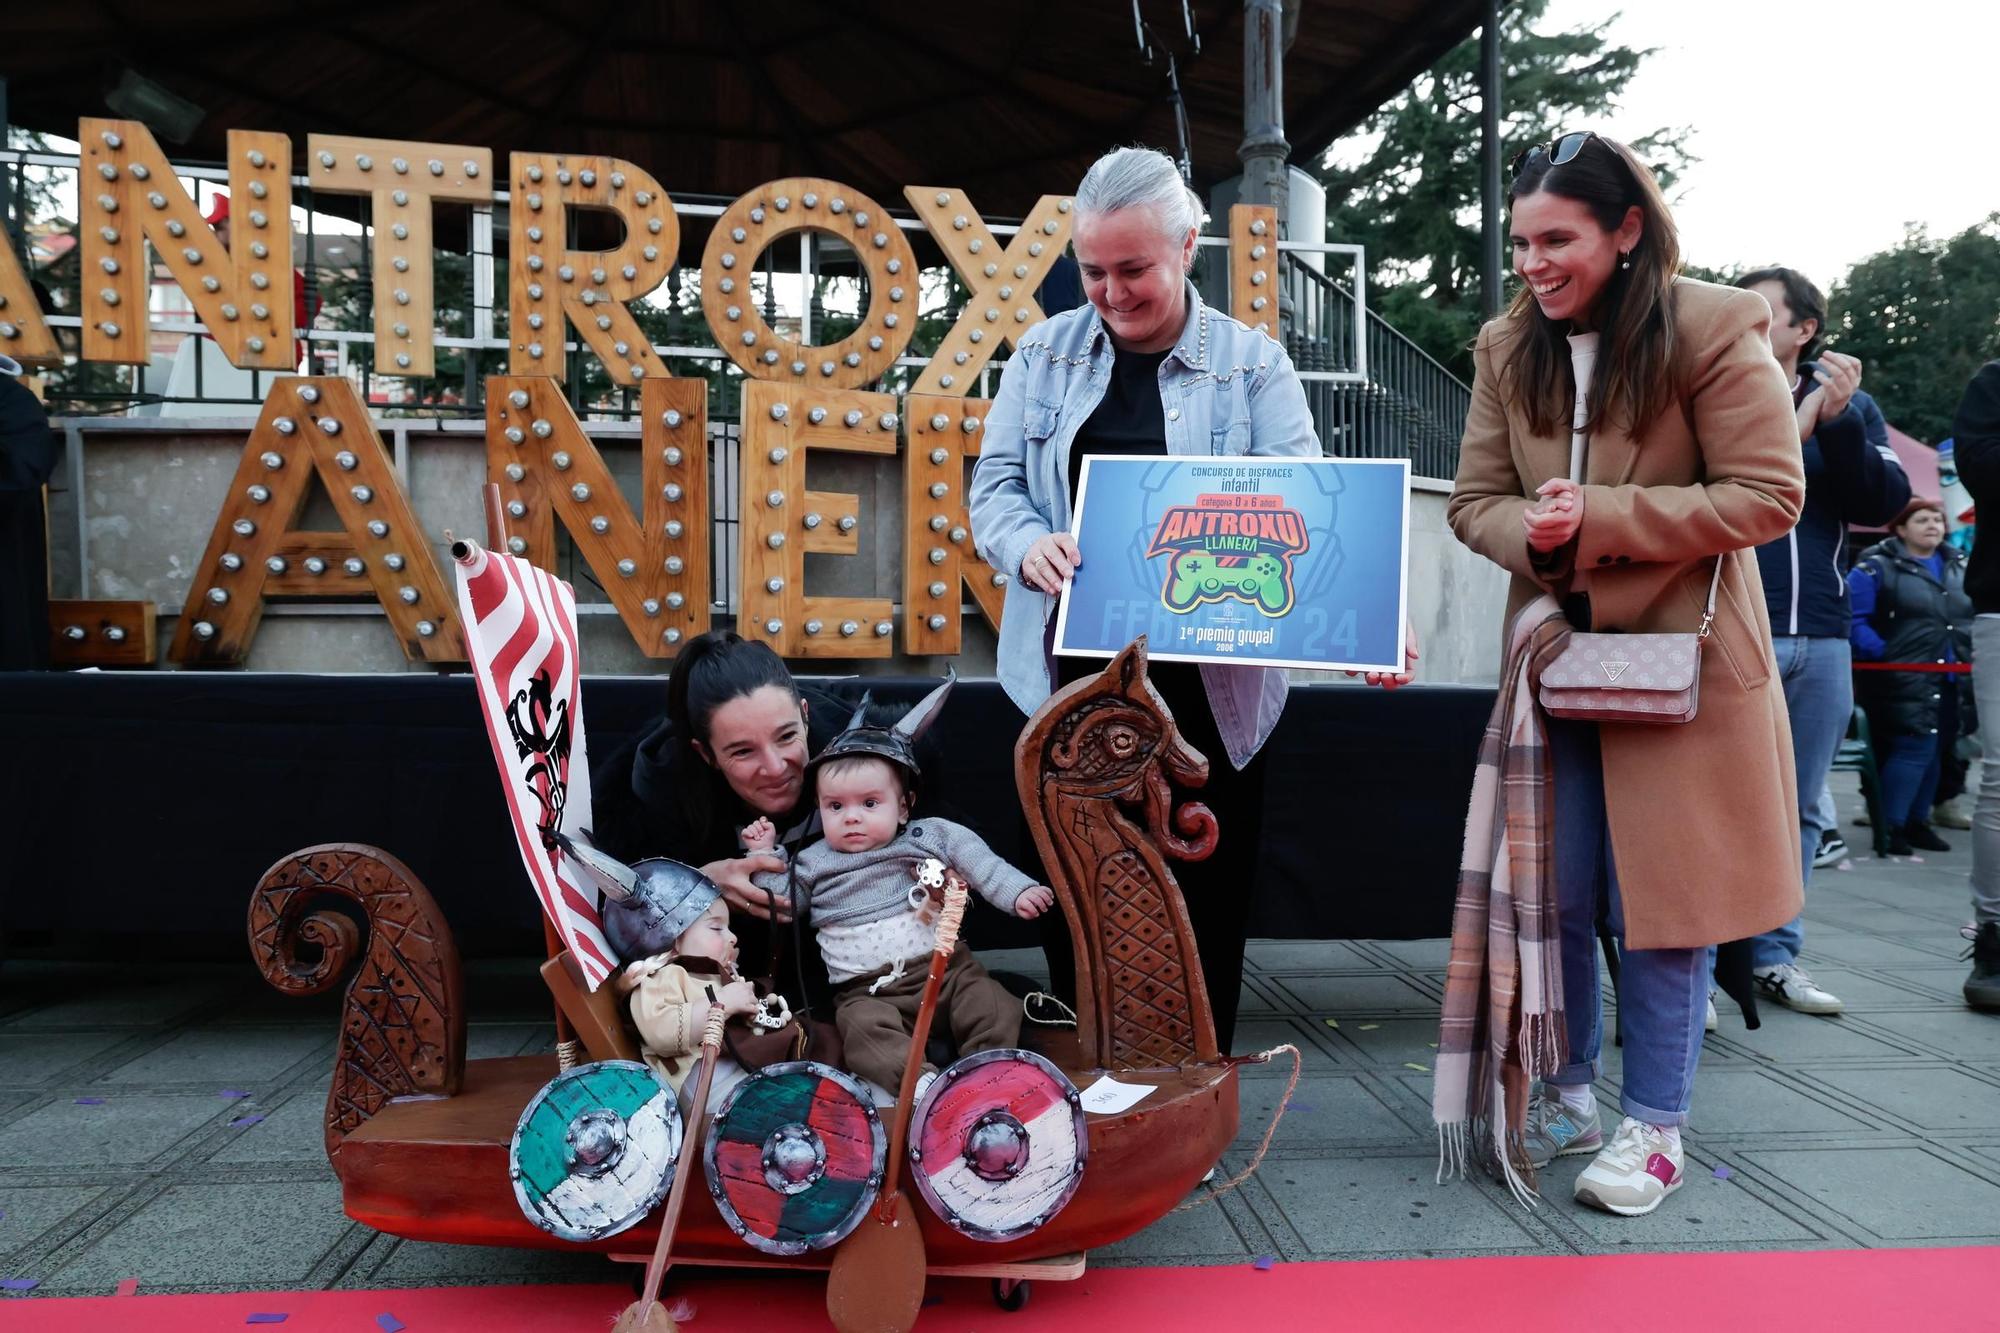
1408	406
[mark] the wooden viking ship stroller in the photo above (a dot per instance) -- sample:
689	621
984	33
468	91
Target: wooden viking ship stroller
419	1136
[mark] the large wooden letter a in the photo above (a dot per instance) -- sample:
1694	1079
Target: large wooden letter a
315	426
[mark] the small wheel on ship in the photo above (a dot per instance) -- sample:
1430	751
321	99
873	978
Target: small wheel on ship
1010	1293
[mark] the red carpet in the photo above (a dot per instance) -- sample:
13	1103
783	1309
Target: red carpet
1828	1291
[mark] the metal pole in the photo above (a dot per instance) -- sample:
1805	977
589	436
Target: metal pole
12	233
482	299
1264	149
1263	152
1491	262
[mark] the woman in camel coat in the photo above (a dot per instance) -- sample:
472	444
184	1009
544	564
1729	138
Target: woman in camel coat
1691	452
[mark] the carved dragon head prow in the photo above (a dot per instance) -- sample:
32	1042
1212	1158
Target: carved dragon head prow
1095	750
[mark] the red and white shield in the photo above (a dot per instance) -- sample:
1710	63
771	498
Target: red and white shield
998	1144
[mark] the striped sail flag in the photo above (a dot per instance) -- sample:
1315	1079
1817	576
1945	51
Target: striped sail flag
520	630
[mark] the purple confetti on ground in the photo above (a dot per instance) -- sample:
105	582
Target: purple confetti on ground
266	1318
242	1120
1300	1106
90	1101
1723	1173
19	1283
231	1094
390	1324
1265	1263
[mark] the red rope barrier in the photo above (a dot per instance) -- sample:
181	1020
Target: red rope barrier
1934	668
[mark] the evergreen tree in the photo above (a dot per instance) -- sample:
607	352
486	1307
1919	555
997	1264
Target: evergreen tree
1413	197
1922	318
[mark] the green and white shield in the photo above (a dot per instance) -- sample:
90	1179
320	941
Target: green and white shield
595	1150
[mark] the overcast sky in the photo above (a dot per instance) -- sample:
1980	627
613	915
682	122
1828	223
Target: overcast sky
1821	128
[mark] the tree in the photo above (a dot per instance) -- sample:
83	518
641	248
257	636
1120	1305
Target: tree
1923	318
1413	198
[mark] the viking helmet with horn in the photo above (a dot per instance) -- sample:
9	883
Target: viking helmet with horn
647	905
897	743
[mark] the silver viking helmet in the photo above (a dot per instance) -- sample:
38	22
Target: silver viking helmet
648	905
897	742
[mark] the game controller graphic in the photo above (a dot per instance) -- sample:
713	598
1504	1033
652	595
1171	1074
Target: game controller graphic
1199	577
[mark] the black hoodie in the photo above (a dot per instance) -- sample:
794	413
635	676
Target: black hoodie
1975	448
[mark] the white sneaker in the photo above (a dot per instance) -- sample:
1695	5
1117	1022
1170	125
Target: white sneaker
1950	814
1639	1167
1708	1020
1793	986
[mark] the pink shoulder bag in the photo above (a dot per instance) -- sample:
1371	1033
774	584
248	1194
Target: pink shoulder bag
1630	677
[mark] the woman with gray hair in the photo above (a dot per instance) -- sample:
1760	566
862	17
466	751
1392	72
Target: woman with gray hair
1145	368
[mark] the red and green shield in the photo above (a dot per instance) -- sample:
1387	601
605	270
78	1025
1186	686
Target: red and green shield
795	1157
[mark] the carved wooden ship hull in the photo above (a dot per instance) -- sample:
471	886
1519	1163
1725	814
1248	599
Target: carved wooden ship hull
419	1136
438	1171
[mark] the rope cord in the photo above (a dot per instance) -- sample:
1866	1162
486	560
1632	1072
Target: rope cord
1065	1016
952	915
711	1036
1262	1057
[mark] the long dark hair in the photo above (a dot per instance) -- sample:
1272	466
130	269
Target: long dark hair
1637	373
713	669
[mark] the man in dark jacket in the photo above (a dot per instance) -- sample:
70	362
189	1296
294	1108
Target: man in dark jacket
28	457
1976	445
1850	478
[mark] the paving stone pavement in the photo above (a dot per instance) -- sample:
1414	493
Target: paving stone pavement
120	1155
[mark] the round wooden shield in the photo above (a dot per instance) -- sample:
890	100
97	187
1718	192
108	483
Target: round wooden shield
997	1144
595	1150
795	1157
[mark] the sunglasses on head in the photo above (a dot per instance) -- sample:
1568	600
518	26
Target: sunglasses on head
1559	151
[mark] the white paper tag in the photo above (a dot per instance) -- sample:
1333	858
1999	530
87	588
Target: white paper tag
1108	1096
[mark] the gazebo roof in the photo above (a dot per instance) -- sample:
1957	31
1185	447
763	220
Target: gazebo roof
1009	101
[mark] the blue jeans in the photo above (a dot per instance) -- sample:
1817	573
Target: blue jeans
1662	993
1912	764
1818	676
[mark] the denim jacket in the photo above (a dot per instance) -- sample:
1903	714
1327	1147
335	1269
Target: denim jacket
1226	390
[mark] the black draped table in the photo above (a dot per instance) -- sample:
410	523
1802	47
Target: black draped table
147	804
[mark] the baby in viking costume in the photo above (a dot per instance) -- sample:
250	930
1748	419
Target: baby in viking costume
671	920
870	881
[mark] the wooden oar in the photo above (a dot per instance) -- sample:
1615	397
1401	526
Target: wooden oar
647	1315
876	1284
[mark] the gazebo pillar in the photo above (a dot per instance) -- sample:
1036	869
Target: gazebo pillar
1264	150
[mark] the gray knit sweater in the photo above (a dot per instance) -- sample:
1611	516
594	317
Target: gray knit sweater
854	888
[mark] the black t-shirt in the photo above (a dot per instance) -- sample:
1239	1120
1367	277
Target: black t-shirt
1130	420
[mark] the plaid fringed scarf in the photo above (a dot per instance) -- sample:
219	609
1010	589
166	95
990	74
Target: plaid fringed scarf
1503	1018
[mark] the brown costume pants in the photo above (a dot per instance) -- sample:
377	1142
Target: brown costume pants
875	1029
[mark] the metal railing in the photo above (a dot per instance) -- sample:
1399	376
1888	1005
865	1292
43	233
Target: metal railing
1408	406
1373	393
